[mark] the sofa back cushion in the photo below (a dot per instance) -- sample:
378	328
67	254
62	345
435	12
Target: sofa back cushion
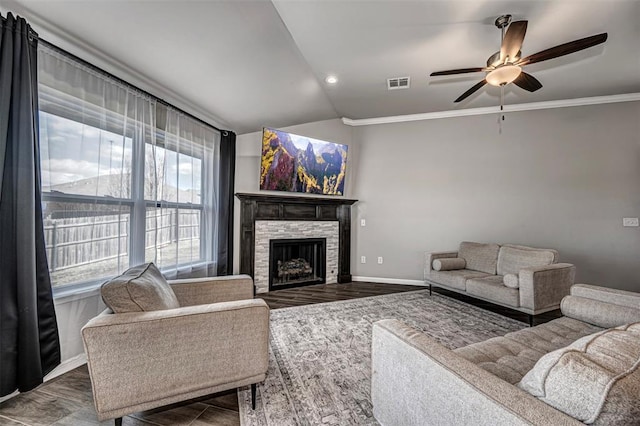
511	258
596	379
141	288
479	257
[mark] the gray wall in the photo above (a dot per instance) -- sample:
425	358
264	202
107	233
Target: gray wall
249	148
561	178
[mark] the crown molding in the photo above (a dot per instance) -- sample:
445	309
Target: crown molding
563	103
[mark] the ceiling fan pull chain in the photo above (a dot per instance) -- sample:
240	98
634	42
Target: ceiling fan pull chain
502	101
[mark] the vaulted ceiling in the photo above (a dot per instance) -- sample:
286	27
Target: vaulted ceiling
248	64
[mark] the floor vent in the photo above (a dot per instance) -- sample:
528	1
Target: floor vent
398	83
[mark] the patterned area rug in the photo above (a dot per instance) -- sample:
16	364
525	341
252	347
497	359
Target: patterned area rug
320	355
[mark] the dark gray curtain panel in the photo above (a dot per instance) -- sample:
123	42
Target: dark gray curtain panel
29	343
225	214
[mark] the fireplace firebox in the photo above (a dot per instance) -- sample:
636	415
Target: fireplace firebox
295	262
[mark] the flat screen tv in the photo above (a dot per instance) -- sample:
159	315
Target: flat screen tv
297	163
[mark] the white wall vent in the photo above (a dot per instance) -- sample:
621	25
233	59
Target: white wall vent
398	83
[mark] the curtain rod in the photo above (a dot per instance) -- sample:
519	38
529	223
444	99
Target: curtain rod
116	78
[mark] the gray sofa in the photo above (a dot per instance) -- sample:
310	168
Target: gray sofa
523	278
417	381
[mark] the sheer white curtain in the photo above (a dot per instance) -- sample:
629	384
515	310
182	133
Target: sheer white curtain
125	179
181	193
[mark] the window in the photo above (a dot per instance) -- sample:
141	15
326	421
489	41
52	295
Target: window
125	179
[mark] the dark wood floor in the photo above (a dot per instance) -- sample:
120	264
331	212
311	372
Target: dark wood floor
67	400
322	293
331	292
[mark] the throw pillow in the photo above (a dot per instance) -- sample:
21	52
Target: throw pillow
511	281
596	379
141	288
449	264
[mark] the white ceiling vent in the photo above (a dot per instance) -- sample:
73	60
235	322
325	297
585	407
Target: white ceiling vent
398	83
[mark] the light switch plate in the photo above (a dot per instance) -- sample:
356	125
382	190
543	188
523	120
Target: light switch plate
629	221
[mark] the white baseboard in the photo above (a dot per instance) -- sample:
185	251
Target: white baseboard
67	366
389	281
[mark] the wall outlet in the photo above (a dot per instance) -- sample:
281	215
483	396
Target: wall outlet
629	221
363	222
363	259
380	260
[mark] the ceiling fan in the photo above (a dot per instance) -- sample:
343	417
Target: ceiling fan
505	66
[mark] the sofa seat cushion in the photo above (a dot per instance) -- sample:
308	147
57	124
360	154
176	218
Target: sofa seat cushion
455	279
510	357
139	289
596	379
479	257
492	288
511	258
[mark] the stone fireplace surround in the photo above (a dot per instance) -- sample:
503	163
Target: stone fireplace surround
270	216
279	229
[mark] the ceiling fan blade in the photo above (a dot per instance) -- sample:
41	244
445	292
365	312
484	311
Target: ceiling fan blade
471	91
459	71
527	82
513	40
564	49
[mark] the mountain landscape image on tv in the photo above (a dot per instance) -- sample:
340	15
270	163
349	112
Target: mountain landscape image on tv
297	163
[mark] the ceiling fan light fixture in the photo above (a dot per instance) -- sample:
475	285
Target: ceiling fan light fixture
504	74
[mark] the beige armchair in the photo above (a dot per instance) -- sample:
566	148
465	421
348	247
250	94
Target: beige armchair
216	340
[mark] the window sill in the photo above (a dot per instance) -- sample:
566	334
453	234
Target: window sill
76	292
73	292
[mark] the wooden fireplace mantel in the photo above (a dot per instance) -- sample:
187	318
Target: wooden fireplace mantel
274	207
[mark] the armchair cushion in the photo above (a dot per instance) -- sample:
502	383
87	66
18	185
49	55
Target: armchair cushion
596	379
449	264
200	291
139	289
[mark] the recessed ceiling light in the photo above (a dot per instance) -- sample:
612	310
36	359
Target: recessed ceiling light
331	79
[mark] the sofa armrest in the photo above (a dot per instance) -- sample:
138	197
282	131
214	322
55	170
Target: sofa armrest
543	287
202	291
608	295
143	357
601	306
417	381
430	257
597	312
